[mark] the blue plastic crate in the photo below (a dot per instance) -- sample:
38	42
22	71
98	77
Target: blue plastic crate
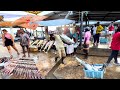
103	40
94	74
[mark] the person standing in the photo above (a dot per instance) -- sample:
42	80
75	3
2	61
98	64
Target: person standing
75	35
111	30
69	47
115	46
67	32
98	33
94	33
59	45
24	42
86	42
46	33
8	41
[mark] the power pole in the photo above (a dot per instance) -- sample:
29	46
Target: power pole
81	28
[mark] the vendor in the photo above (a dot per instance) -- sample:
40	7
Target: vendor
59	45
86	42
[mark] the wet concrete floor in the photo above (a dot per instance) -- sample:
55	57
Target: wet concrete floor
69	70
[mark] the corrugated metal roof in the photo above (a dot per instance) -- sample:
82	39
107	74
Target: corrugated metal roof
92	15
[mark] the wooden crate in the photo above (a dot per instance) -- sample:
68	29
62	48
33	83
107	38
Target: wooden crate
33	49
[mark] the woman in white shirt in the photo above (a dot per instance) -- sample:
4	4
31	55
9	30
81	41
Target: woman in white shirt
94	33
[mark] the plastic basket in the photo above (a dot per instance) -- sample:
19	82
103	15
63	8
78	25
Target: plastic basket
94	74
103	40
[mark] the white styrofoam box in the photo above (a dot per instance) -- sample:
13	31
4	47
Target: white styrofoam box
118	60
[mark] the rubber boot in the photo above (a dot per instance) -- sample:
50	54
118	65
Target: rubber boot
86	56
63	60
56	59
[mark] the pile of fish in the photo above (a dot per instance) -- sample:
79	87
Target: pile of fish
2	62
8	68
21	69
4	59
26	69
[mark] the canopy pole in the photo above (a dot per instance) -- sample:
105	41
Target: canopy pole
36	33
42	32
31	32
86	22
81	29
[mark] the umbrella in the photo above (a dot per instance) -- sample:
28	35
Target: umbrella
32	26
27	19
5	24
56	22
38	18
22	20
25	25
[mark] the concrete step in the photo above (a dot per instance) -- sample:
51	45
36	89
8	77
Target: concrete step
97	52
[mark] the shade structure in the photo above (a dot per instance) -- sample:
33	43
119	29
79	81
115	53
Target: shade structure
56	22
27	19
5	24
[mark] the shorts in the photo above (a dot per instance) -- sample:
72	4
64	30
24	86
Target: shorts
25	46
61	52
85	46
8	43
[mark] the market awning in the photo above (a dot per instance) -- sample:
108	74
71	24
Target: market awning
91	15
56	22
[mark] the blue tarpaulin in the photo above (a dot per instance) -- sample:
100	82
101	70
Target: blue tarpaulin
56	22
